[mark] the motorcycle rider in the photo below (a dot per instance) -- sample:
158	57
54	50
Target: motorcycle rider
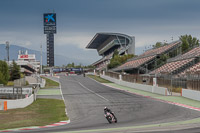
109	110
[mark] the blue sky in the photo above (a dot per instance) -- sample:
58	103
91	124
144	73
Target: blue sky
78	21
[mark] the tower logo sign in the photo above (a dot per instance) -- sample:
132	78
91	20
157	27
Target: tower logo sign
49	19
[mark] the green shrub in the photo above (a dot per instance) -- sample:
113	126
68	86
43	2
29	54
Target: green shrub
10	83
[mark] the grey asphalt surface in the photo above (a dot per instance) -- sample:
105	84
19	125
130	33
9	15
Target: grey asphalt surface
85	100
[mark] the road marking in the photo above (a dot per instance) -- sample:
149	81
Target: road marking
93	92
88	89
61	93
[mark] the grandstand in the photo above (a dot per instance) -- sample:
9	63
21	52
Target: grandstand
148	60
107	43
182	64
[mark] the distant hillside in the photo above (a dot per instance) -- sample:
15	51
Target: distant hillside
14	49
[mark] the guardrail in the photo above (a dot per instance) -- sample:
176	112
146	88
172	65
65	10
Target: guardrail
191	94
148	88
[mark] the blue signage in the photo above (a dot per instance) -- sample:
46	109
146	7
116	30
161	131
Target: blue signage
49	19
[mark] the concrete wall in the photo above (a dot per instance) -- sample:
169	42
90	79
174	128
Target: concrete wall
148	88
19	103
191	94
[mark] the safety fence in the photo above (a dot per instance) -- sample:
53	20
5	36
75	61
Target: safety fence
171	82
20	82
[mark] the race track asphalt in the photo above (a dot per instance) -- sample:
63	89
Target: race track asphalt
85	100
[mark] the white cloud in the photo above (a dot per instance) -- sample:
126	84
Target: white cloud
146	40
81	40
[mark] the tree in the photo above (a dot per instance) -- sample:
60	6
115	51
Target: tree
2	80
4	72
157	45
188	42
15	71
118	60
184	45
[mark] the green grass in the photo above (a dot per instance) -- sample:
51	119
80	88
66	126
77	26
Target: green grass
50	83
99	79
41	112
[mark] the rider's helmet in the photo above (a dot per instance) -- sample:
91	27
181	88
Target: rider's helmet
105	108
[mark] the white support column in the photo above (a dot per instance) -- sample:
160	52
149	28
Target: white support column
120	77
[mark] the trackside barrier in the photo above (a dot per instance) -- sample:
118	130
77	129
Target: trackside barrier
89	73
148	88
18	103
191	94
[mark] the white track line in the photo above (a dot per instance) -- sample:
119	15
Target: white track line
93	92
63	99
88	89
61	94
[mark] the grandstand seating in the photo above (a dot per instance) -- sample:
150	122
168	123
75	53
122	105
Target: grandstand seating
136	63
102	63
195	52
160	50
195	69
181	64
172	66
148	56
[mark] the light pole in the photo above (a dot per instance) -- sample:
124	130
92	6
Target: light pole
41	59
7	48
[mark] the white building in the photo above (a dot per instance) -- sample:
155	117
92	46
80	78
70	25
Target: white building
28	63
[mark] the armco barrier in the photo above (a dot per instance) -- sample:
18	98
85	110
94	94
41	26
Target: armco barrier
18	103
191	94
148	88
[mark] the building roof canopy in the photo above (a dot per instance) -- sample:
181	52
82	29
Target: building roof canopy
100	38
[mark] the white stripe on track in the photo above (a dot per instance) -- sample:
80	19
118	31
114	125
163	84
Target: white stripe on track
93	92
88	89
61	93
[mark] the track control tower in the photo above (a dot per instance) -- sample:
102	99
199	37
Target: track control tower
50	30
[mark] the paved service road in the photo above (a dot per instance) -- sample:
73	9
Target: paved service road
85	100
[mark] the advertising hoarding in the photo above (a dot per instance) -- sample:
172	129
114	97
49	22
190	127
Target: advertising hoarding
10	91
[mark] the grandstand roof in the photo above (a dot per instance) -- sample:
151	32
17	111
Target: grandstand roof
99	38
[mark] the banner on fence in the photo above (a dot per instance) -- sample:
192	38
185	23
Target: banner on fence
10	90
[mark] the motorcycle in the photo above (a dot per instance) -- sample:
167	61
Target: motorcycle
110	117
